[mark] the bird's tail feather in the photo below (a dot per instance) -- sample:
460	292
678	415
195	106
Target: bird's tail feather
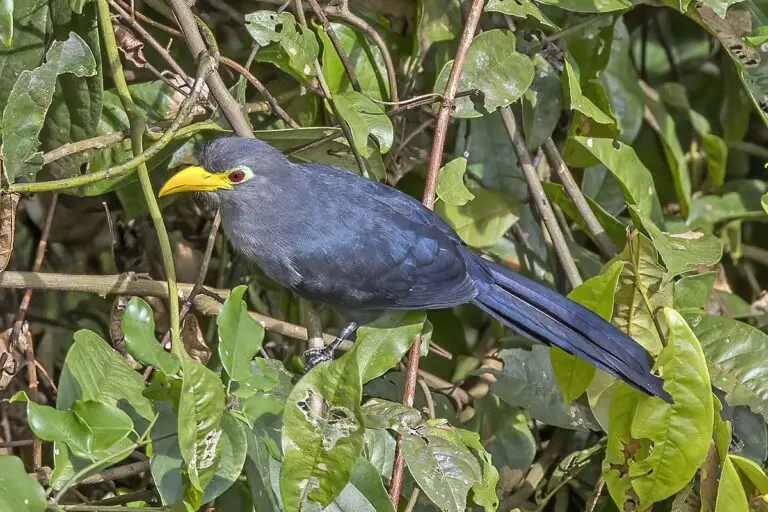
544	315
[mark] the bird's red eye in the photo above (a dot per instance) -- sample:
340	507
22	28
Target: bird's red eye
236	176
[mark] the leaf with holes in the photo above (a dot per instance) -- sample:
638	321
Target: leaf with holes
240	336
201	406
138	326
298	45
494	68
322	432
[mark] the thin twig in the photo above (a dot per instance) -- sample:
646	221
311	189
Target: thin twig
18	323
543	208
194	40
71	148
160	49
574	192
343	57
436	157
276	108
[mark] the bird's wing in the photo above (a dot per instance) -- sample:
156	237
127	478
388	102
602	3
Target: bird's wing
386	251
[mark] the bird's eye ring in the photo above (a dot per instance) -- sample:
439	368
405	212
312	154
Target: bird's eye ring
236	176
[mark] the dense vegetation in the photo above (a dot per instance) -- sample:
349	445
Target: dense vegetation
613	151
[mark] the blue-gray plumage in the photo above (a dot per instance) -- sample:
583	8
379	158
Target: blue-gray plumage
364	248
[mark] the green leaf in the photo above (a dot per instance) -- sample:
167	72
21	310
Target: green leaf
29	100
18	492
752	470
438	20
528	381
365	478
665	127
577	100
201	407
574	374
634	178
519	9
322	434
641	293
613	227
450	183
737	356
382	344
442	465
30	23
717	157
541	105
484	491
596	6
493	67
692	292
106	425
764	202
6	21
138	326
94	371
383	414
620	80
482	221
681	252
364	118
240	336
730	493
298	45
677	436
92	430
364	57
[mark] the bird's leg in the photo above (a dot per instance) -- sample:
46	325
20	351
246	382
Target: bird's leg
315	356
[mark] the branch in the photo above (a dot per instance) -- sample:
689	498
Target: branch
206	66
194	40
436	157
574	192
138	123
100	142
336	45
539	198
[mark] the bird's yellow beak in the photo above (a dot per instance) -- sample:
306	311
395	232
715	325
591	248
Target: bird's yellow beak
195	179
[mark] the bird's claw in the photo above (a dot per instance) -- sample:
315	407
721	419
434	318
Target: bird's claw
315	356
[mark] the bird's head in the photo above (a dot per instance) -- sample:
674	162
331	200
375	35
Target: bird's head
228	166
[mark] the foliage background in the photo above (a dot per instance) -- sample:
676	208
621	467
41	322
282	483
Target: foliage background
618	144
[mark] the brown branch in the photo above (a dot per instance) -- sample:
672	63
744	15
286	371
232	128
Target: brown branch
343	57
218	88
18	323
543	208
436	157
160	49
271	100
100	142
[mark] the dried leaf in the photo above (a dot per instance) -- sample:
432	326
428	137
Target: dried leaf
194	340
8	204
14	356
130	46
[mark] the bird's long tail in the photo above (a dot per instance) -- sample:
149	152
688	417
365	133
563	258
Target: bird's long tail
544	315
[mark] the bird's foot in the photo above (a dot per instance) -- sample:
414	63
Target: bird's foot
315	356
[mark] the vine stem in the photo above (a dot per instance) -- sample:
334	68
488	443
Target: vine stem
137	121
436	157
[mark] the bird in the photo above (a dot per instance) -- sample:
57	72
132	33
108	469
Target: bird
365	248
